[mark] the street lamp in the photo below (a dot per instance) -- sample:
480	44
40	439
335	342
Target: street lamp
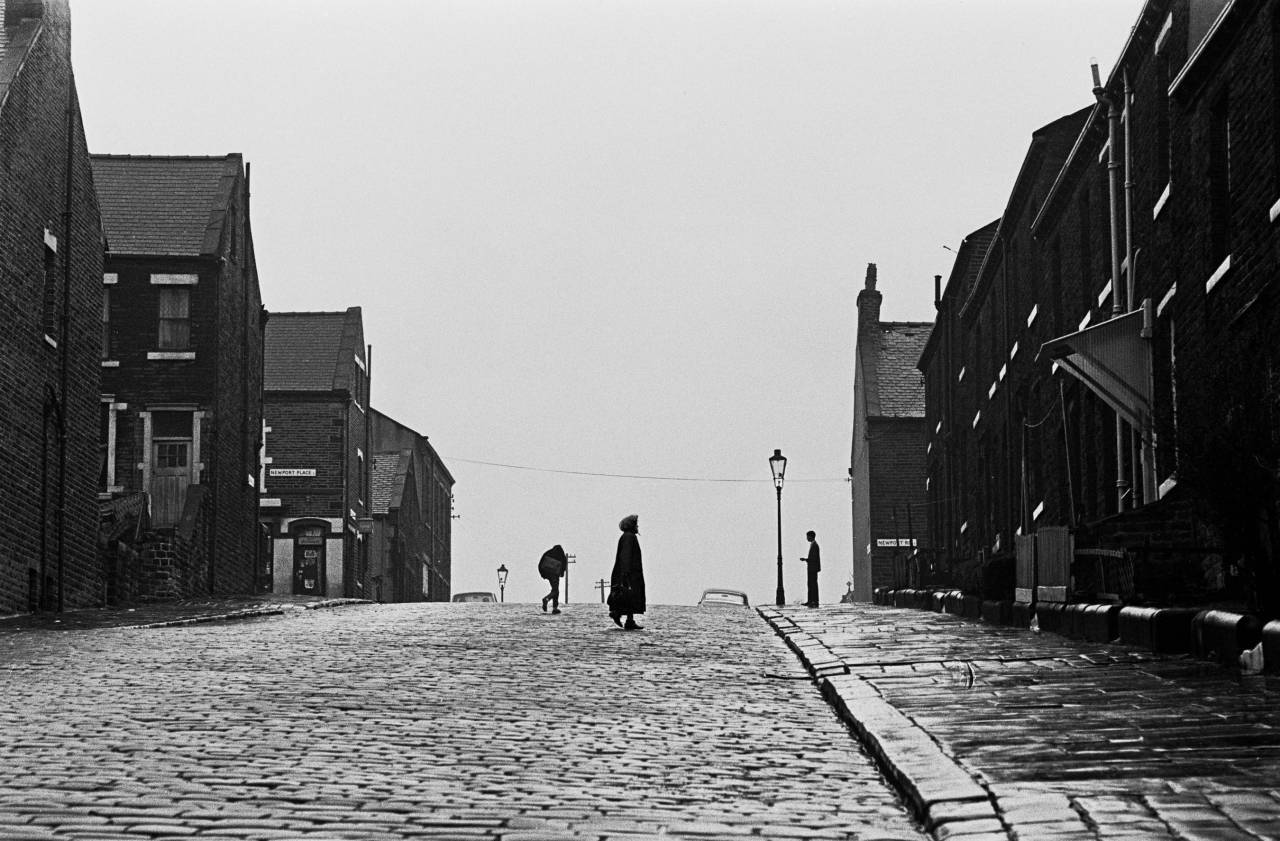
778	464
502	583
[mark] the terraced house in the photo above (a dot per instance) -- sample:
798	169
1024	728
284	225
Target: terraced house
1117	431
411	557
315	481
181	360
50	306
886	461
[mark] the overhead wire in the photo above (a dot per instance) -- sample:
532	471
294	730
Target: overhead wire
606	475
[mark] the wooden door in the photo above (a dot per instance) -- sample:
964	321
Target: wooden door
170	478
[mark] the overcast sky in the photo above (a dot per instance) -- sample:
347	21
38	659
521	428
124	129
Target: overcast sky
608	237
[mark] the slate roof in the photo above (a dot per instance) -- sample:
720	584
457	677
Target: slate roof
304	350
389	471
898	383
164	206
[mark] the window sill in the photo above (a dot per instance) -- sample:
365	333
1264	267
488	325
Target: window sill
171	354
1218	274
111	363
1162	201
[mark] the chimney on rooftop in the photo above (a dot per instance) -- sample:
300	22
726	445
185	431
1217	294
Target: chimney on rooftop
869	304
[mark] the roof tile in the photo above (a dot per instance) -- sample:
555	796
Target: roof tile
162	206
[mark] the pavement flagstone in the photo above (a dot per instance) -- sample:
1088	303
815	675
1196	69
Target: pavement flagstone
1003	733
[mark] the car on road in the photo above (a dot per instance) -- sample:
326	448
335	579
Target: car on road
475	596
720	597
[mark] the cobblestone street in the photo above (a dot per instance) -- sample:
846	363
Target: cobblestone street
429	721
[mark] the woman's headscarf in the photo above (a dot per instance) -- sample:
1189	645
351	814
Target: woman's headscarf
630	523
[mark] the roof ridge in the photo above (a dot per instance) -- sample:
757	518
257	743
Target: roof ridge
275	314
115	157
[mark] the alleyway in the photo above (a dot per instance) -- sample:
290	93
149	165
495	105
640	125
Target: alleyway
429	721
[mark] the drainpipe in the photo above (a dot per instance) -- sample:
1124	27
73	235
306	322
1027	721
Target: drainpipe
1117	303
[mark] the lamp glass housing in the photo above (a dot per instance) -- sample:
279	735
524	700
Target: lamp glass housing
778	464
502	574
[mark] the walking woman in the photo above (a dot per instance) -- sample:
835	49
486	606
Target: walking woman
626	584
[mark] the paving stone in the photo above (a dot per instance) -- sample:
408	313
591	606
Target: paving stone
1099	726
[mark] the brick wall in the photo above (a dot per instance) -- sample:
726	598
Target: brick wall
897	511
33	190
223	381
1043	451
434	492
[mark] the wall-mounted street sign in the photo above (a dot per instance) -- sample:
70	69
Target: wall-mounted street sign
293	471
889	542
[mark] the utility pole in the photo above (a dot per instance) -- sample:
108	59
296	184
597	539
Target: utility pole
568	559
601	585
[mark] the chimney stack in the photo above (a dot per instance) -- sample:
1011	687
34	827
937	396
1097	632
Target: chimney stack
869	304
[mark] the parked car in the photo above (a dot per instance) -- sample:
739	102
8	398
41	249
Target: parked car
718	597
475	596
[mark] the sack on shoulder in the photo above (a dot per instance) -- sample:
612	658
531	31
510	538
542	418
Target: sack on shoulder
550	567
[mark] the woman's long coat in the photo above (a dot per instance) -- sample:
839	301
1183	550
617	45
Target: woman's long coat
626	584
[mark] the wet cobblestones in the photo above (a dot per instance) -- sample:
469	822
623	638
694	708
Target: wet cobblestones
429	721
1069	739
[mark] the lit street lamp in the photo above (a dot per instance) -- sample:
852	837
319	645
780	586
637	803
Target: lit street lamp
778	464
502	583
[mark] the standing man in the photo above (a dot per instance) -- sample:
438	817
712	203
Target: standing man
815	564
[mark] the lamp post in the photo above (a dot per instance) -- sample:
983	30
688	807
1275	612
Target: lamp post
502	583
778	464
568	559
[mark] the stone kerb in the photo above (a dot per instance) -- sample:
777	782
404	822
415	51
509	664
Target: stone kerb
1208	634
944	796
1221	635
1164	630
1271	645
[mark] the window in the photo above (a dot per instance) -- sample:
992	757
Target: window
1220	228
171	454
50	292
106	322
175	318
105	444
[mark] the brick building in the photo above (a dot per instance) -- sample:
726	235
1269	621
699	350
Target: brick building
426	534
886	465
399	543
981	390
1136	452
51	271
315	481
181	339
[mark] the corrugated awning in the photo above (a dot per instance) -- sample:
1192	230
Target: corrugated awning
1113	360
